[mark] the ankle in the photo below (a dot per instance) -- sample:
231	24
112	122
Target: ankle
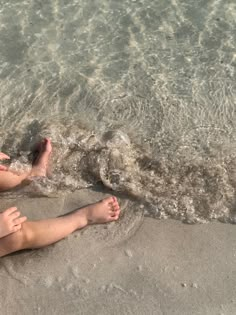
38	171
82	217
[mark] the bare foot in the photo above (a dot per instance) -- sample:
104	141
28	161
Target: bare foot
3	156
40	165
104	211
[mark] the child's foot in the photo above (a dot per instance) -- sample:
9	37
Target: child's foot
3	156
40	166
104	211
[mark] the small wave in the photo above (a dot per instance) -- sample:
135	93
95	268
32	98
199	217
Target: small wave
168	185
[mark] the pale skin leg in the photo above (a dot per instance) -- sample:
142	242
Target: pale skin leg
32	234
10	220
9	180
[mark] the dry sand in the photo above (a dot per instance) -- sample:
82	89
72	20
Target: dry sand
135	266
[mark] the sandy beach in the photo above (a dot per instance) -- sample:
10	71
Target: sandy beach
138	96
137	265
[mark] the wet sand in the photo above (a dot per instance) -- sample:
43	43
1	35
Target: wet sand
135	266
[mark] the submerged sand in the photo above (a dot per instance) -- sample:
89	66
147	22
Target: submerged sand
138	265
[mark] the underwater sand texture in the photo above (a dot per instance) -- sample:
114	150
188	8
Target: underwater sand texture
162	73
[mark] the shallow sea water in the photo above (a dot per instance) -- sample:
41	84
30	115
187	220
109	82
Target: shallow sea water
136	95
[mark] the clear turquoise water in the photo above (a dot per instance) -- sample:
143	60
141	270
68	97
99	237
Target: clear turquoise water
160	73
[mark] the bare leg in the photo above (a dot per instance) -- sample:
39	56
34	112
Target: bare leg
9	180
45	232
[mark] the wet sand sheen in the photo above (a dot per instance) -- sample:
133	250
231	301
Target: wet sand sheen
163	73
124	268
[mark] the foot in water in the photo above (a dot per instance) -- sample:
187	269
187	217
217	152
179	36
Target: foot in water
40	165
104	211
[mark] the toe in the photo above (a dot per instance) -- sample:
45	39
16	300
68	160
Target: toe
115	207
108	200
115	201
47	141
114	210
47	145
3	168
115	213
116	217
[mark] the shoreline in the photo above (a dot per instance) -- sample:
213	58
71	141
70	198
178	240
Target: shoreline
151	267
